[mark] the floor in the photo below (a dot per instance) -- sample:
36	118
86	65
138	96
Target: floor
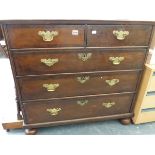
98	128
8	110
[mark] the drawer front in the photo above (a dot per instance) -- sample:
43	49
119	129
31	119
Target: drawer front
75	61
77	85
45	36
152	83
118	35
147	116
149	100
68	109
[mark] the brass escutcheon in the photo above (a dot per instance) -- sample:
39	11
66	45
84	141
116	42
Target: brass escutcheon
82	102
83	79
49	62
47	35
108	104
54	111
120	34
112	82
84	56
116	60
51	87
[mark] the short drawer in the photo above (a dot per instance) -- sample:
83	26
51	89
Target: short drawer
68	109
77	85
43	62
118	35
45	36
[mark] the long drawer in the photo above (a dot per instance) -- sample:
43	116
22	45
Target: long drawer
68	109
59	61
45	36
118	35
32	88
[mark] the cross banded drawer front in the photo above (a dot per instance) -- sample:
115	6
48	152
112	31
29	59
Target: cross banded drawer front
77	85
45	36
56	110
58	62
118	35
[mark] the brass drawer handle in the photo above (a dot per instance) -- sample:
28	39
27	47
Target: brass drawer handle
108	104
49	62
116	60
120	34
47	35
82	102
83	79
112	82
51	87
54	111
84	56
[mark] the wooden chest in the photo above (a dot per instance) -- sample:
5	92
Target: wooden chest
76	71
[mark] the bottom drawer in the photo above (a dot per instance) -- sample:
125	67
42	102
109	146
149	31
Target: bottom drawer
76	108
147	115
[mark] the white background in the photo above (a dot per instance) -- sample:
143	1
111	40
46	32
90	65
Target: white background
77	9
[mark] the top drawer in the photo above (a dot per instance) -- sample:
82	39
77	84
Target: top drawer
45	36
118	35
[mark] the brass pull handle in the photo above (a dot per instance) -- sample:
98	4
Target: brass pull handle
82	102
83	79
112	82
54	111
116	60
108	104
120	34
51	87
47	35
84	56
49	62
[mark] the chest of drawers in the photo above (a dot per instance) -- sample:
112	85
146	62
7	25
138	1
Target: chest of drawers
76	71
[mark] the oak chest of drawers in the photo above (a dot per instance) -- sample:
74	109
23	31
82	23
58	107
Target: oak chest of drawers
76	71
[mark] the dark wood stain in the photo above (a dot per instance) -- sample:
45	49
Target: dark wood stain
26	48
36	112
138	35
27	36
32	88
30	63
76	22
